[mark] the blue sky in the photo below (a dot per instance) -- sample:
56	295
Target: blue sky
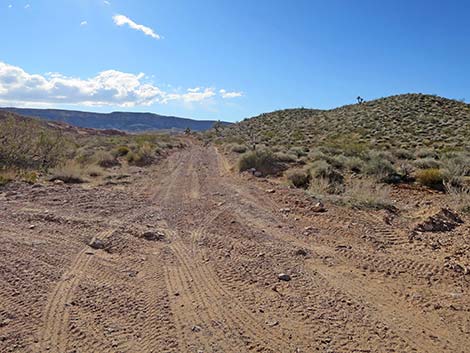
228	59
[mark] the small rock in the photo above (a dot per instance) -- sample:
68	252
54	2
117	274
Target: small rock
96	243
272	323
153	236
318	207
301	252
258	174
32	226
270	191
283	277
196	328
58	182
5	322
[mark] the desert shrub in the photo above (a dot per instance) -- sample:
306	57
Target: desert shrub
317	155
367	193
457	165
143	157
402	153
298	178
71	172
262	160
93	171
323	170
298	151
319	187
426	153
432	177
6	176
380	168
458	197
354	164
121	151
105	159
285	157
238	148
30	177
28	145
427	163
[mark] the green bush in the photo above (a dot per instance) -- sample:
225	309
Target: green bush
432	177
263	161
299	178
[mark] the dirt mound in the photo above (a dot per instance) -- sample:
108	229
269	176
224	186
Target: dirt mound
443	221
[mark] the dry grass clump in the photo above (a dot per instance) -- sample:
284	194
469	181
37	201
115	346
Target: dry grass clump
459	197
432	177
144	156
71	172
105	159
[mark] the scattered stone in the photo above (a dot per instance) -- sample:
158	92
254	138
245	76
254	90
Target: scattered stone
32	226
272	323
443	221
58	182
258	174
319	207
283	277
270	191
301	252
196	328
5	322
96	243
154	236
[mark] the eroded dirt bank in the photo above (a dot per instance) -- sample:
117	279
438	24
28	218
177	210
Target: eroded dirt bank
206	278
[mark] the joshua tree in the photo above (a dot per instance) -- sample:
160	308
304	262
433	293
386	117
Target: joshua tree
217	127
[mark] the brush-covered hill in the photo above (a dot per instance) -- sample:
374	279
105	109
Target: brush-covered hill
124	121
405	121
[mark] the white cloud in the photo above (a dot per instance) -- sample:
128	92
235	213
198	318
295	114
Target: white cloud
27	6
227	95
106	2
83	23
121	20
108	88
10	6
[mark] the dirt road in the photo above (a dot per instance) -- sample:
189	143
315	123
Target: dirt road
211	284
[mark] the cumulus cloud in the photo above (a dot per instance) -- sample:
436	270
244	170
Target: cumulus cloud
108	88
224	94
83	23
121	20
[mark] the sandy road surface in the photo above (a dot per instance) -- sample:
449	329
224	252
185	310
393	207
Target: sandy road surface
211	285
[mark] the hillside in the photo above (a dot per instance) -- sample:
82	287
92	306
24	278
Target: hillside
125	121
406	121
58	126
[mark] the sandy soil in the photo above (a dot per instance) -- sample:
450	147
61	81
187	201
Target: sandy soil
358	283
